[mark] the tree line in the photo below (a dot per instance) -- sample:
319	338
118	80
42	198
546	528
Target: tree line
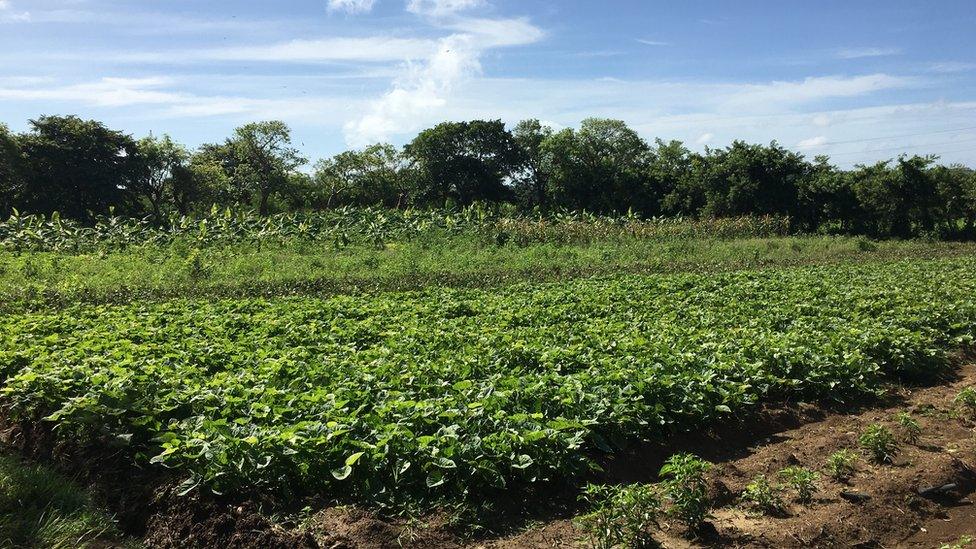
81	168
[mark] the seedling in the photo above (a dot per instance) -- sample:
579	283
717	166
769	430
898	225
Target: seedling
966	399
879	441
763	496
622	516
802	480
840	464
686	489
910	429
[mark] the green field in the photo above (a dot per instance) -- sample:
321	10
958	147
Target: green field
446	395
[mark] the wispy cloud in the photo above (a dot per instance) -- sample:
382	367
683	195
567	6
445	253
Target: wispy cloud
647	42
811	143
952	66
705	138
351	6
367	49
440	8
8	15
858	53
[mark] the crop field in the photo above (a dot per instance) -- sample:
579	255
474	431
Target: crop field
447	363
446	394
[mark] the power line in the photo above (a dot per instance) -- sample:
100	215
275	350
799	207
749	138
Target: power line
904	147
897	136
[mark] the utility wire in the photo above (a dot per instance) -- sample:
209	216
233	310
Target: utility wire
896	136
898	148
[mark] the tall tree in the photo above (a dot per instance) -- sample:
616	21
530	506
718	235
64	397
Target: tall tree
464	161
898	198
532	177
262	160
76	166
157	161
602	167
11	171
376	175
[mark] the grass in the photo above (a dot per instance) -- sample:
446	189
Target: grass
40	508
39	280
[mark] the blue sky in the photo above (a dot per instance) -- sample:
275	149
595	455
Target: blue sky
859	80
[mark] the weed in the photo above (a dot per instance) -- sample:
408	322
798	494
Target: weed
963	542
879	441
763	496
911	431
685	487
621	515
967	400
802	480
840	464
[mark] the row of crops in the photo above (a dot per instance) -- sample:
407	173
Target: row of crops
368	226
447	394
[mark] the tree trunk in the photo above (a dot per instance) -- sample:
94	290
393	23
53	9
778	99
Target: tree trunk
263	208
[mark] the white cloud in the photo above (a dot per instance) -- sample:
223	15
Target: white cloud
351	6
653	42
374	48
7	15
778	94
440	8
858	53
705	138
425	89
811	143
821	120
362	49
952	66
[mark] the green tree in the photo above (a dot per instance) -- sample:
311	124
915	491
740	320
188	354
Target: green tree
532	178
745	179
898	198
376	175
260	160
955	187
602	167
157	161
75	166
11	171
199	183
464	162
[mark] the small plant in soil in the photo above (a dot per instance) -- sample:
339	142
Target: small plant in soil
763	496
840	464
880	442
802	480
621	516
686	488
963	542
909	427
966	399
